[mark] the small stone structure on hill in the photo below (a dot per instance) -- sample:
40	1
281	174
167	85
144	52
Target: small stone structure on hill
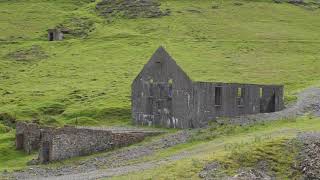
164	95
66	142
55	34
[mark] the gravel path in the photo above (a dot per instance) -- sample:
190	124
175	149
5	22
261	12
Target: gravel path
115	163
105	173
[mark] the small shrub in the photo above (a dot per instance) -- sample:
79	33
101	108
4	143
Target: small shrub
7	119
4	129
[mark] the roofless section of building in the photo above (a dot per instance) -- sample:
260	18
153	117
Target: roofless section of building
164	95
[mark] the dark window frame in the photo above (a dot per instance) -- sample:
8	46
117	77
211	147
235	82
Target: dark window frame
218	96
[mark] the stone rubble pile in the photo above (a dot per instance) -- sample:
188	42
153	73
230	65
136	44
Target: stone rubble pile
131	8
309	156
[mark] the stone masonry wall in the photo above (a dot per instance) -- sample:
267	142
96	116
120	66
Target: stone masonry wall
164	95
70	142
27	136
66	142
78	142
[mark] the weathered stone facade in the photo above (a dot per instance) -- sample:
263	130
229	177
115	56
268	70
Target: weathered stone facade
70	142
164	95
27	136
66	142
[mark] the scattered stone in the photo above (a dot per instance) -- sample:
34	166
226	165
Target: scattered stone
33	162
309	157
251	174
238	4
210	170
278	1
310	4
296	2
131	9
76	27
35	52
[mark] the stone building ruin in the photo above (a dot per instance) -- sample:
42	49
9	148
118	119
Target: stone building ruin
55	34
163	95
61	143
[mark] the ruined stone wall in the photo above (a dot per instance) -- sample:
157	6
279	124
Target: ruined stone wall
125	139
235	100
163	95
27	136
78	142
271	94
70	142
55	35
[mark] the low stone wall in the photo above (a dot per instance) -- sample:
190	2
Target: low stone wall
86	141
66	142
71	142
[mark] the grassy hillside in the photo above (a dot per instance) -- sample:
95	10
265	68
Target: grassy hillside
88	77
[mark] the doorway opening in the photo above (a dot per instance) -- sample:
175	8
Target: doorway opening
45	151
19	141
51	36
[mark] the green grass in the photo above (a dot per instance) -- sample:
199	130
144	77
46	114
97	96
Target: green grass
278	153
11	159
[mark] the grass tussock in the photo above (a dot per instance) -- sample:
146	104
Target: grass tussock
10	158
277	154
